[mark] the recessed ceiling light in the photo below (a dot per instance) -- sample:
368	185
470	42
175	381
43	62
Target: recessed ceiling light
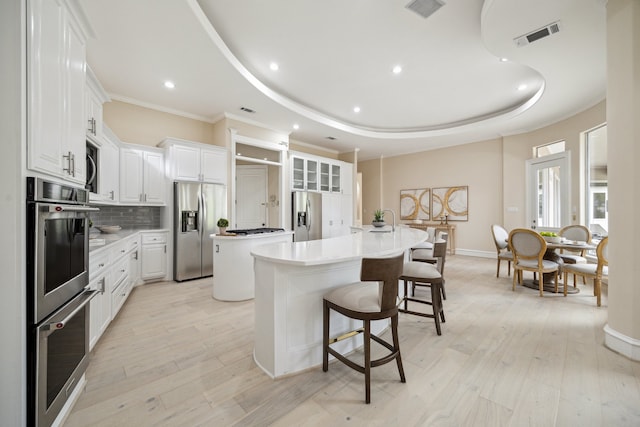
274	66
169	84
504	59
397	69
356	109
522	87
296	126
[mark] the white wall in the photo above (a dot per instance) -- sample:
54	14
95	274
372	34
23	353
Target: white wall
12	190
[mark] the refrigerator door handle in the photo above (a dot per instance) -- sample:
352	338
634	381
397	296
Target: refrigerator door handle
203	211
308	215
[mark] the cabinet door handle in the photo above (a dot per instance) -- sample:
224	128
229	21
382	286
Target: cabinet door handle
73	163
165	249
111	193
217	249
68	159
90	127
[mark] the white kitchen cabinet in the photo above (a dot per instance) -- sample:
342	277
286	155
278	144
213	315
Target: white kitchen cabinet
193	161
154	255
336	182
304	174
325	176
142	180
109	169
95	96
346	176
100	305
56	63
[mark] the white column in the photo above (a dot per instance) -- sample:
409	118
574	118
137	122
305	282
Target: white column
622	333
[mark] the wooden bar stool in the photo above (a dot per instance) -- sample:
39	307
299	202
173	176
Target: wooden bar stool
375	297
426	274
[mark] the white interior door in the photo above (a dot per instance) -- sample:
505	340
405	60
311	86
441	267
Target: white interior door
548	191
251	196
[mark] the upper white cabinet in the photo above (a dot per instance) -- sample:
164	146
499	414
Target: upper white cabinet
320	174
305	174
56	63
192	161
142	180
95	96
109	169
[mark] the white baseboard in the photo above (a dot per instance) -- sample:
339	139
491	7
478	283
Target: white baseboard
476	253
622	344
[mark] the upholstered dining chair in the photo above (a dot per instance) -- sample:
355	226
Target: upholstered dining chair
375	297
421	274
528	251
500	236
579	233
591	271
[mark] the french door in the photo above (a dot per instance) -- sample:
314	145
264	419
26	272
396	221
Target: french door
548	191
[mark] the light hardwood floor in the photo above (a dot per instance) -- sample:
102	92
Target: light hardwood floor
176	357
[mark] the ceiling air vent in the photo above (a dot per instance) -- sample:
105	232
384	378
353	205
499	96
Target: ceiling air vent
425	8
332	138
538	34
247	110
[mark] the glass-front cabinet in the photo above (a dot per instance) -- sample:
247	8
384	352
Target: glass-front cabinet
304	174
325	177
335	179
317	174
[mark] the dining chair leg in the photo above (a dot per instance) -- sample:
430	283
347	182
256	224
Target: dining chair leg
367	361
597	285
541	285
396	346
566	283
508	268
498	269
515	275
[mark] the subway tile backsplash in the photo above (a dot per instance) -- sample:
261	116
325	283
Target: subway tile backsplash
128	216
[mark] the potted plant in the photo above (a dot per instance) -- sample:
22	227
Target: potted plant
378	218
222	224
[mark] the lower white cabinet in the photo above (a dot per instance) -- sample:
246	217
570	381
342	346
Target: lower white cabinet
100	305
154	255
116	269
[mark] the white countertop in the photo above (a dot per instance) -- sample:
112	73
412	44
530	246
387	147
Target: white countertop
110	238
248	236
368	243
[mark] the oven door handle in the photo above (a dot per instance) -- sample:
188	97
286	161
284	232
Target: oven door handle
54	326
65	208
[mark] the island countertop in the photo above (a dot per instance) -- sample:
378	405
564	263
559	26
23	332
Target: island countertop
370	242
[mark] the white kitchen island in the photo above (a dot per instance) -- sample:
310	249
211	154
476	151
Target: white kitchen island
290	281
233	278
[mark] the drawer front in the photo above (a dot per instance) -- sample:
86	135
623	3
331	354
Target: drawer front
119	296
120	271
98	265
150	238
119	249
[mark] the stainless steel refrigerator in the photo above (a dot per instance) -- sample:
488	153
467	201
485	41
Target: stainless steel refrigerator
197	208
306	215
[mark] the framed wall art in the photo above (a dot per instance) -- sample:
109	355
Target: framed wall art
415	204
450	202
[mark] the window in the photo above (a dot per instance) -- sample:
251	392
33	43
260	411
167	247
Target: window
597	216
548	149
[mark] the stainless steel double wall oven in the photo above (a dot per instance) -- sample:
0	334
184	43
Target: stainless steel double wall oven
57	295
